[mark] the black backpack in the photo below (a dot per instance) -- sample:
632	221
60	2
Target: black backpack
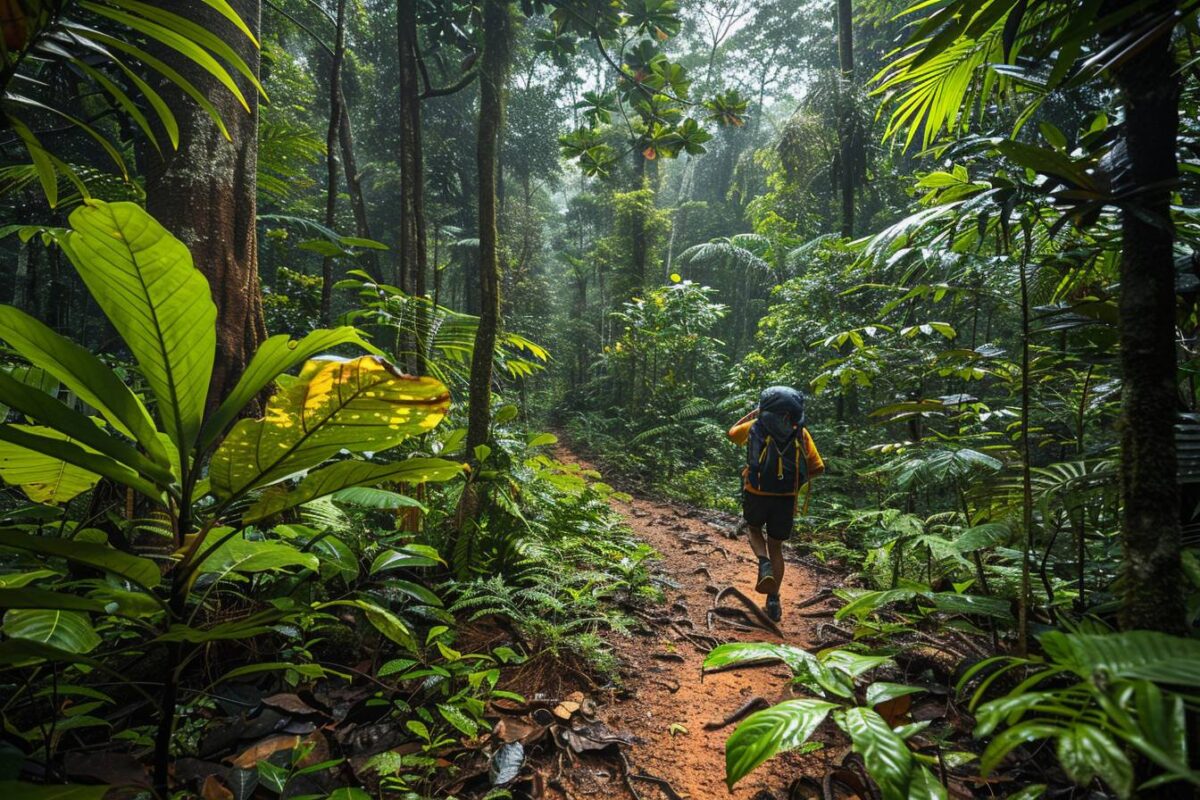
775	458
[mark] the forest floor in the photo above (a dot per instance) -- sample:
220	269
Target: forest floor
667	699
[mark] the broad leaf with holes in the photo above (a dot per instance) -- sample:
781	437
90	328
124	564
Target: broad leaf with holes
359	405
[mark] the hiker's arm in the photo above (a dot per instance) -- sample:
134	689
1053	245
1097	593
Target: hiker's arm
740	432
816	464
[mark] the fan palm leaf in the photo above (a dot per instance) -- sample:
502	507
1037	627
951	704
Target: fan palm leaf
107	46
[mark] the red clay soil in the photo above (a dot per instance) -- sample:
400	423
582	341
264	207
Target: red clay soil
662	671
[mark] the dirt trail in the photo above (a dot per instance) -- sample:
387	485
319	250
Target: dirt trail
663	670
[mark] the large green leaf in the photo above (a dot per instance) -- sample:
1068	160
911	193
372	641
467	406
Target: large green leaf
275	356
71	631
44	478
27	597
382	620
238	555
807	668
888	760
49	443
345	474
925	786
782	727
1086	751
144	280
141	571
1146	655
84	374
359	405
56	414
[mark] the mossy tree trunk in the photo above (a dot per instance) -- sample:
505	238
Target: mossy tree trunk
205	192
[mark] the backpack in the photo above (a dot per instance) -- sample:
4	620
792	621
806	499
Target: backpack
775	459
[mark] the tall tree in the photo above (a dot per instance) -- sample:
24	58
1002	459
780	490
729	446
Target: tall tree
1135	39
492	77
205	191
411	266
1148	82
846	117
332	138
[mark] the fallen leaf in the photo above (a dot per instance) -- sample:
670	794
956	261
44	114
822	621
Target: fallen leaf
261	751
677	728
213	789
290	703
565	709
506	764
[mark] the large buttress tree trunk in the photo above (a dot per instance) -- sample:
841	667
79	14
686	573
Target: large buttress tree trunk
205	192
1153	578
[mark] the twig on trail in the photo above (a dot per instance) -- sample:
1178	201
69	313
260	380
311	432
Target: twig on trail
701	640
753	704
669	657
759	614
627	772
823	594
714	613
704	571
630	777
716	548
670	684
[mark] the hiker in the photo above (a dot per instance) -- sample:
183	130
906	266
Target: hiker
780	459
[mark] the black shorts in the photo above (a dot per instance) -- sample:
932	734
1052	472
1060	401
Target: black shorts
777	513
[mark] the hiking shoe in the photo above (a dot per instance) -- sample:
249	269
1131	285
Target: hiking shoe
774	611
766	577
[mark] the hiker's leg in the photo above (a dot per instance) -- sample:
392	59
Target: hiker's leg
775	547
757	542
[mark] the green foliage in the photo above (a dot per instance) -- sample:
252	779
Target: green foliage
1100	696
105	47
789	725
183	465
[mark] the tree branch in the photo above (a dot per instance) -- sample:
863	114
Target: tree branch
463	82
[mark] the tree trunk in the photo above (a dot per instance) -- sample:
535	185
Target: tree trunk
412	178
205	192
846	112
332	136
358	203
491	109
638	222
1152	566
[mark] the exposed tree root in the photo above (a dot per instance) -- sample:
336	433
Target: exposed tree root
760	615
747	708
824	594
630	777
